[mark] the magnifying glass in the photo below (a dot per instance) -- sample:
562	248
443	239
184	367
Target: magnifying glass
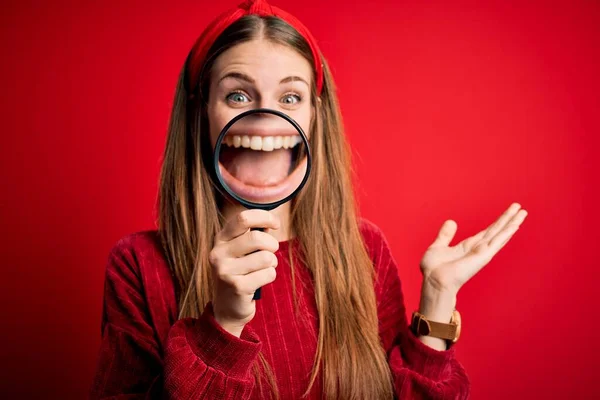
262	160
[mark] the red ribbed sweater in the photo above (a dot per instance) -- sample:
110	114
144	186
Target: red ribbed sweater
146	352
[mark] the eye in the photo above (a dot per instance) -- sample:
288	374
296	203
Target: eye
291	99
237	97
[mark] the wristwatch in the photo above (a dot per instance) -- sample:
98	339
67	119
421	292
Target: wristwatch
449	331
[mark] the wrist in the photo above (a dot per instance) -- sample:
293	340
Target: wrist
234	328
437	305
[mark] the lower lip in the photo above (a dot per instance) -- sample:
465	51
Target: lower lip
265	194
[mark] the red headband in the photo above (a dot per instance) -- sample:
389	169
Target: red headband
248	7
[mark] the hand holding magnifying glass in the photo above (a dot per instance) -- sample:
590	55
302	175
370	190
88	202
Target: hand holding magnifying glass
262	160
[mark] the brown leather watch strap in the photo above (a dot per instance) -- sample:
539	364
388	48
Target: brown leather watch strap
422	326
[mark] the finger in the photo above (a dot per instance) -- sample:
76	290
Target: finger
252	263
247	284
482	254
250	242
494	228
485	250
507	240
446	234
502	238
466	245
519	218
513	225
245	220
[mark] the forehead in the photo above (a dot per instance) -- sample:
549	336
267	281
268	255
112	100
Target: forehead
263	60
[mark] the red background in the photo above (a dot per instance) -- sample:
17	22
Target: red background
454	111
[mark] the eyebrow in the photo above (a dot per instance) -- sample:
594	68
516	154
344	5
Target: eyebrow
237	75
292	79
243	77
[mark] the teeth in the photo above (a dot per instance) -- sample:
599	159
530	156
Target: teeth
245	141
256	143
264	143
268	143
278	142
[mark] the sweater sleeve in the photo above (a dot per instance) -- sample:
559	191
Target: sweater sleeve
418	371
198	360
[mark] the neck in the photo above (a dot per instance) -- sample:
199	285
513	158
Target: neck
283	212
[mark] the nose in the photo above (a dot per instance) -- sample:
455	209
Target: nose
266	121
268	102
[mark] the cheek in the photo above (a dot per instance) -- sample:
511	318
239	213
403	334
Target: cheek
303	118
217	119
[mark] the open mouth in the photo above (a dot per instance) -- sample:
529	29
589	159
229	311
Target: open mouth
262	168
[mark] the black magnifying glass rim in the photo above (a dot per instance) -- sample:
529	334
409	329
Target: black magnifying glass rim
217	151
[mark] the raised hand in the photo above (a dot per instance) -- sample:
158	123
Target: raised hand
447	268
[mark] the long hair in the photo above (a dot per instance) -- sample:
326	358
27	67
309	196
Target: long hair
349	352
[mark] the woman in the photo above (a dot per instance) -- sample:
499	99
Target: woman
179	321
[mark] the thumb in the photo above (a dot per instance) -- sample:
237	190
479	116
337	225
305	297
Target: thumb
447	232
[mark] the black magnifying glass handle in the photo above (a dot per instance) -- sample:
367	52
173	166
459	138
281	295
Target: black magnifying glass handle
257	293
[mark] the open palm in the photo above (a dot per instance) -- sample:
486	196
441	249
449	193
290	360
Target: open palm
448	267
